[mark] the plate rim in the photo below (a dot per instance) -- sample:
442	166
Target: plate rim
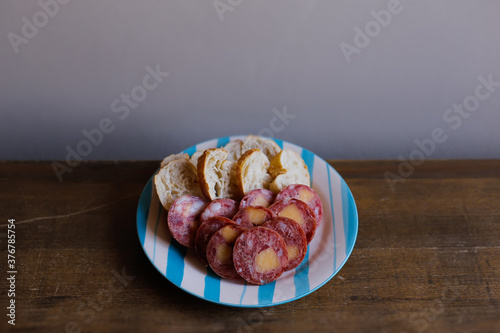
147	190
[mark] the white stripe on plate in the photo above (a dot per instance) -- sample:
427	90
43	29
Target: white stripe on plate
251	296
340	241
285	287
163	239
231	291
194	274
321	265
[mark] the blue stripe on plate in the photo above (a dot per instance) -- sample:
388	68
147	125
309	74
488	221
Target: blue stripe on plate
190	151
143	211
175	262
333	218
348	211
212	286
279	142
308	157
266	293
221	142
160	207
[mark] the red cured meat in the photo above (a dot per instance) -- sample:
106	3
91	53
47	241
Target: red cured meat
252	216
220	251
258	197
247	248
206	230
294	237
220	207
311	198
183	218
307	218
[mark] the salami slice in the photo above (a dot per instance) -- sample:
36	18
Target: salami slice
220	207
259	197
294	237
251	216
206	230
306	194
183	218
298	211
220	251
260	255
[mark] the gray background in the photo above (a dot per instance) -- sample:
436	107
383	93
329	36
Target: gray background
226	77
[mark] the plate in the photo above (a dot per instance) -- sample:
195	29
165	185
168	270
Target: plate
327	253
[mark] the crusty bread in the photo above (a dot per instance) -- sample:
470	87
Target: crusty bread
234	150
288	168
228	181
252	171
214	173
267	146
194	158
173	157
175	179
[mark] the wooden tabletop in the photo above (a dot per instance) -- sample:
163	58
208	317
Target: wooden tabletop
427	257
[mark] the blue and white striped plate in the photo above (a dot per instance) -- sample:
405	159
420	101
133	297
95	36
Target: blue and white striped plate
327	253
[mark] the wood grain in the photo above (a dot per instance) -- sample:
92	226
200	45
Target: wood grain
427	257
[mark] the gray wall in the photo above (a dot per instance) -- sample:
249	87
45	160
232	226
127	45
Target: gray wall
228	71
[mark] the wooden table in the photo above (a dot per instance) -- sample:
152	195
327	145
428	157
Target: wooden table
427	257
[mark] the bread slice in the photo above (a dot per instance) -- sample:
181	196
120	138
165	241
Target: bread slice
252	171
234	150
214	173
194	158
288	168
173	157
228	181
175	179
267	146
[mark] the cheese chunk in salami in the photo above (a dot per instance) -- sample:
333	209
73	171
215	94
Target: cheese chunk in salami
220	251
206	230
258	197
260	255
251	216
220	207
294	237
298	211
183	218
306	194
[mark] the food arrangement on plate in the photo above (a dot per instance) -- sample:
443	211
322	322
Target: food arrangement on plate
247	208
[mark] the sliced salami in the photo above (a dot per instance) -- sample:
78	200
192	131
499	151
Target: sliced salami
206	230
259	197
260	255
220	251
294	237
183	218
220	207
298	211
306	194
252	216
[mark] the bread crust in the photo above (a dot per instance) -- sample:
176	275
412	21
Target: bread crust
203	169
